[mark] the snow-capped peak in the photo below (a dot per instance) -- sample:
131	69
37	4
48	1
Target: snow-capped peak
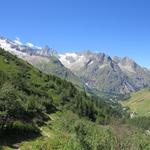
10	46
73	60
17	41
19	48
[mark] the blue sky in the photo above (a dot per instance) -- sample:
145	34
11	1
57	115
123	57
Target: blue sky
116	27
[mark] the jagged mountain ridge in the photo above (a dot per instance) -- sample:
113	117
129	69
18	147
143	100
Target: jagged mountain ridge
17	47
139	75
112	75
96	71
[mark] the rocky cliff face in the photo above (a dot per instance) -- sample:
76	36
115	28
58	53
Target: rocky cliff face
112	75
140	76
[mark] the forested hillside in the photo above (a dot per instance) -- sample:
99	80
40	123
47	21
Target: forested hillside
27	96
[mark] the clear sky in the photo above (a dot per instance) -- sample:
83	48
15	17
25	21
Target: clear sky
116	27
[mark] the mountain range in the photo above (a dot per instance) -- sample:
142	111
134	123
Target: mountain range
101	72
87	70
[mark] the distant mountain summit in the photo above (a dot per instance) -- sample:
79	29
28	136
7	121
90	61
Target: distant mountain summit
101	72
140	76
94	71
46	51
16	47
126	64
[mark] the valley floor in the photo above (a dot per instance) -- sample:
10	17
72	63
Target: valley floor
139	102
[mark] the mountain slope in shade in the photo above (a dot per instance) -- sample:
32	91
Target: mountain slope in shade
54	66
112	75
44	59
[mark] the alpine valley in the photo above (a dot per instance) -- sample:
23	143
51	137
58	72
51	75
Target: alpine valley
41	110
96	72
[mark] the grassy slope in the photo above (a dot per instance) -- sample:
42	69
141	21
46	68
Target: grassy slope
139	102
60	133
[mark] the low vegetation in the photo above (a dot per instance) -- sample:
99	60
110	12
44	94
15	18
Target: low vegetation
66	131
